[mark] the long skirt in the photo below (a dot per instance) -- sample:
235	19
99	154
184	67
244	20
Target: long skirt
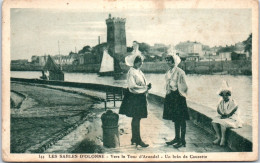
175	107
134	105
227	122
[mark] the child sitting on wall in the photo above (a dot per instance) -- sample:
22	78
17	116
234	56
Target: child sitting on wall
228	115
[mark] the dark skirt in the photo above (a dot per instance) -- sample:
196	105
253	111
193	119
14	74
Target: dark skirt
175	107
134	105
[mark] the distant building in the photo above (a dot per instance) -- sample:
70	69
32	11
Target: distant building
185	56
58	59
116	37
233	52
63	60
190	47
212	58
209	53
225	56
238	56
157	45
86	58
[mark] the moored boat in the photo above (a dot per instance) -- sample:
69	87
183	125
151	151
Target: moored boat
55	72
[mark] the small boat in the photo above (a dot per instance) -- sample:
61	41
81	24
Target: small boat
55	72
110	67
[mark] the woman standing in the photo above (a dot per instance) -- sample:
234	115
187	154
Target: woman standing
175	106
134	103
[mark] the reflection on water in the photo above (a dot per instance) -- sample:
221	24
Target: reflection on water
202	88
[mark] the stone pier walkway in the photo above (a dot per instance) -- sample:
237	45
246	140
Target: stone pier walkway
154	131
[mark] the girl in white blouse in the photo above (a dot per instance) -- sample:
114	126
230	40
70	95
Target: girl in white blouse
228	115
134	103
175	106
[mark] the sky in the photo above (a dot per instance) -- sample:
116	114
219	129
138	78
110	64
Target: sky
38	31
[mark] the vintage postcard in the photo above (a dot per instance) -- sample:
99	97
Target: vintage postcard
123	81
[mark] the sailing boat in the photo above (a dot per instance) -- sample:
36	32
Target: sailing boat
54	70
107	65
110	66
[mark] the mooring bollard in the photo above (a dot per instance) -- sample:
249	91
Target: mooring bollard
110	129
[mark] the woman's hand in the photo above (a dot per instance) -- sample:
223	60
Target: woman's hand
149	86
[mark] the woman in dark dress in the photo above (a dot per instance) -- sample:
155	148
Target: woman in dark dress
175	106
134	103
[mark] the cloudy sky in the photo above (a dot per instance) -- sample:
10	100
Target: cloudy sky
37	31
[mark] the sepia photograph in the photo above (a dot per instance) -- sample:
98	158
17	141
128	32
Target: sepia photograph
110	80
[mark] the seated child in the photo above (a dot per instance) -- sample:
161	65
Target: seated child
228	115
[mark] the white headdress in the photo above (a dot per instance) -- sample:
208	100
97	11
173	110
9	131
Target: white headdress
129	60
172	52
225	88
136	50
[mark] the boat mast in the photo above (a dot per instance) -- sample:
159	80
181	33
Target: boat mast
59	55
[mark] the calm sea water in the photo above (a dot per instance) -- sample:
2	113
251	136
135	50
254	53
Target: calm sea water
202	88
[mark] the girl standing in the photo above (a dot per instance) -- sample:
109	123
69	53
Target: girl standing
175	106
134	103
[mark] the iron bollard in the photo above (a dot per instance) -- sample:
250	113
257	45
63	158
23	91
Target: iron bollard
110	129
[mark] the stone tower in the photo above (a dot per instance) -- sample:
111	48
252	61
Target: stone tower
116	37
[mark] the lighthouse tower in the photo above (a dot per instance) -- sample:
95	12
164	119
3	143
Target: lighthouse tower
116	37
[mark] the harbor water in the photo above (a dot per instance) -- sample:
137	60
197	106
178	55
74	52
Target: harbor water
203	89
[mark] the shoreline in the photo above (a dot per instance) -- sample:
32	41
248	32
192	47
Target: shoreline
241	67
